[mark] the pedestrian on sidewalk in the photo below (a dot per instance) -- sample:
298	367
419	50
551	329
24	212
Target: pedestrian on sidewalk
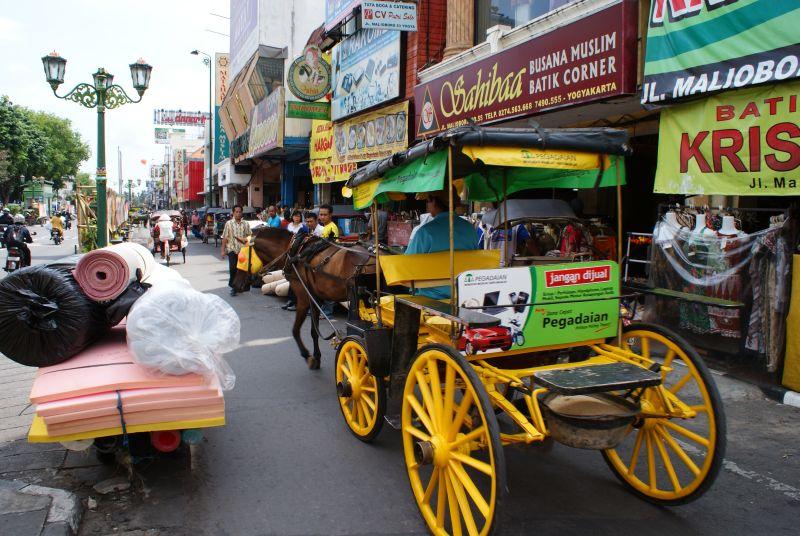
235	234
273	220
195	224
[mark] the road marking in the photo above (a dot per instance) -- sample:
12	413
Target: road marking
264	342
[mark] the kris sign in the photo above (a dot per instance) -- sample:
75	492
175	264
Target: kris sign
399	16
744	142
702	46
590	59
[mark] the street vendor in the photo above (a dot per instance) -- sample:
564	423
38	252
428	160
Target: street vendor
435	236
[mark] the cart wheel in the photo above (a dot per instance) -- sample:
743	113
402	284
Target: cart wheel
672	460
362	396
451	443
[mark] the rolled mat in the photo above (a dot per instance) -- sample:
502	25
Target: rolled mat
44	317
104	274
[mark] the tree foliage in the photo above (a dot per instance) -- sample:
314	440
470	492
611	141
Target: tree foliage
36	144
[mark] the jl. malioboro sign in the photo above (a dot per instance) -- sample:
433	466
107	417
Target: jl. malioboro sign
590	59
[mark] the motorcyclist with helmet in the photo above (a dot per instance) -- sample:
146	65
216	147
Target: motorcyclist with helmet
17	235
6	218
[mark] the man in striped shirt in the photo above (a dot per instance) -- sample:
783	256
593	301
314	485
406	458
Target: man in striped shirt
235	235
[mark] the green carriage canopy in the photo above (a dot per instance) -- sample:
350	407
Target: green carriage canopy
494	163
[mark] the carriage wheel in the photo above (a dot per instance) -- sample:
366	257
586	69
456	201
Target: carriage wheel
666	459
362	396
451	443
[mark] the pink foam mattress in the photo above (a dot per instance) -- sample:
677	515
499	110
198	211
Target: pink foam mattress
104	366
130	408
140	417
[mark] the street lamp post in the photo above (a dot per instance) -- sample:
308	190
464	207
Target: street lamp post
207	63
102	94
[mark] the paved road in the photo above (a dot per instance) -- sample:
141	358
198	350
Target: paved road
285	464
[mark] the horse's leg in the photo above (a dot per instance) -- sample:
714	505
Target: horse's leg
303	304
314	362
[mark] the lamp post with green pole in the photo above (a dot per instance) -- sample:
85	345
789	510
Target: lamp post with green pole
103	94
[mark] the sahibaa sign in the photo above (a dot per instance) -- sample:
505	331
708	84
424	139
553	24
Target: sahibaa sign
179	117
590	59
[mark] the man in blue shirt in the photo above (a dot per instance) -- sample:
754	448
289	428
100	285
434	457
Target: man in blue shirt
435	236
273	220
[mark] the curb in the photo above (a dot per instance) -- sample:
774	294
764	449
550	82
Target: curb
781	395
65	511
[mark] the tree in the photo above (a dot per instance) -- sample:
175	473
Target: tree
65	150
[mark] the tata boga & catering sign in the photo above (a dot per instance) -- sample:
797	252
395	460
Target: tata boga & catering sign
400	16
590	59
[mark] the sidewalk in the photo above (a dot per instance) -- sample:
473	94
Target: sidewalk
16	413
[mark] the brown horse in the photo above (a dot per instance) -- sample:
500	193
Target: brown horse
326	273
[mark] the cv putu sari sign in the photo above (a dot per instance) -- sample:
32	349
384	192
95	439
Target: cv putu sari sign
400	16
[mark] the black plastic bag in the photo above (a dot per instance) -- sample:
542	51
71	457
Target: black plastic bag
45	318
119	307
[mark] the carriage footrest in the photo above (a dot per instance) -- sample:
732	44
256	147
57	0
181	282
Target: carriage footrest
596	378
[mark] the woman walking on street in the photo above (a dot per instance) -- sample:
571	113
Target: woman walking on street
235	235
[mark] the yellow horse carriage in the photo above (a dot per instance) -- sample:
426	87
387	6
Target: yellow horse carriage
518	355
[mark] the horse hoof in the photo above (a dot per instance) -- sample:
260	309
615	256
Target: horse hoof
313	363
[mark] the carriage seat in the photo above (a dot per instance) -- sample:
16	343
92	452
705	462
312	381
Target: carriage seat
425	270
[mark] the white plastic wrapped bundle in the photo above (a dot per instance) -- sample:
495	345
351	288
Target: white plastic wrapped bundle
270	288
160	275
282	289
277	275
175	329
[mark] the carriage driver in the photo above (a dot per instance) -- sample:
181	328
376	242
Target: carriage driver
434	236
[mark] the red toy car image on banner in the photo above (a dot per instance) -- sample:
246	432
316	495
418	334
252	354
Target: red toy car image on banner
482	339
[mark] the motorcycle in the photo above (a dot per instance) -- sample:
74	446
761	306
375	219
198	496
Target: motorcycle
14	259
55	236
3	228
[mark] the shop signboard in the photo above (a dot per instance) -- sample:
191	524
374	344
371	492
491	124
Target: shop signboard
742	142
162	134
308	110
324	168
590	59
244	33
544	305
696	47
309	77
338	10
366	71
266	126
221	143
179	117
400	16
372	135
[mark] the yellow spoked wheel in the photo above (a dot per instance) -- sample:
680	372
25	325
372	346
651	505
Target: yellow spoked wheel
451	444
675	449
362	396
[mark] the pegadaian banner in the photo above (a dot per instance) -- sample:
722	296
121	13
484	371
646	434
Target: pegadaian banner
744	142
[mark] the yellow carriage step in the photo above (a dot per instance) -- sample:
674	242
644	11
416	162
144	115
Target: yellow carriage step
597	378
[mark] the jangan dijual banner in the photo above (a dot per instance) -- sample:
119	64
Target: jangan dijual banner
695	47
744	142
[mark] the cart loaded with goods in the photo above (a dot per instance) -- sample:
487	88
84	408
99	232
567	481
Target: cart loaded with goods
129	354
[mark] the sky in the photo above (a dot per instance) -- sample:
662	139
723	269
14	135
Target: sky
112	34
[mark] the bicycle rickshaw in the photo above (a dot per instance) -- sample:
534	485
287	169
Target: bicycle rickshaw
639	394
177	244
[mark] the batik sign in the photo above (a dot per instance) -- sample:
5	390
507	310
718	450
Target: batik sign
745	142
696	47
590	59
324	167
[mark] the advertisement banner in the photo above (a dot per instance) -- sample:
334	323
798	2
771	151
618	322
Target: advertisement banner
221	143
244	33
308	110
590	59
337	10
266	126
508	293
179	117
736	143
702	46
400	16
372	135
323	167
366	71
309	76
162	134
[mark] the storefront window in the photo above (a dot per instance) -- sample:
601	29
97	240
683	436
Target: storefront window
512	13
